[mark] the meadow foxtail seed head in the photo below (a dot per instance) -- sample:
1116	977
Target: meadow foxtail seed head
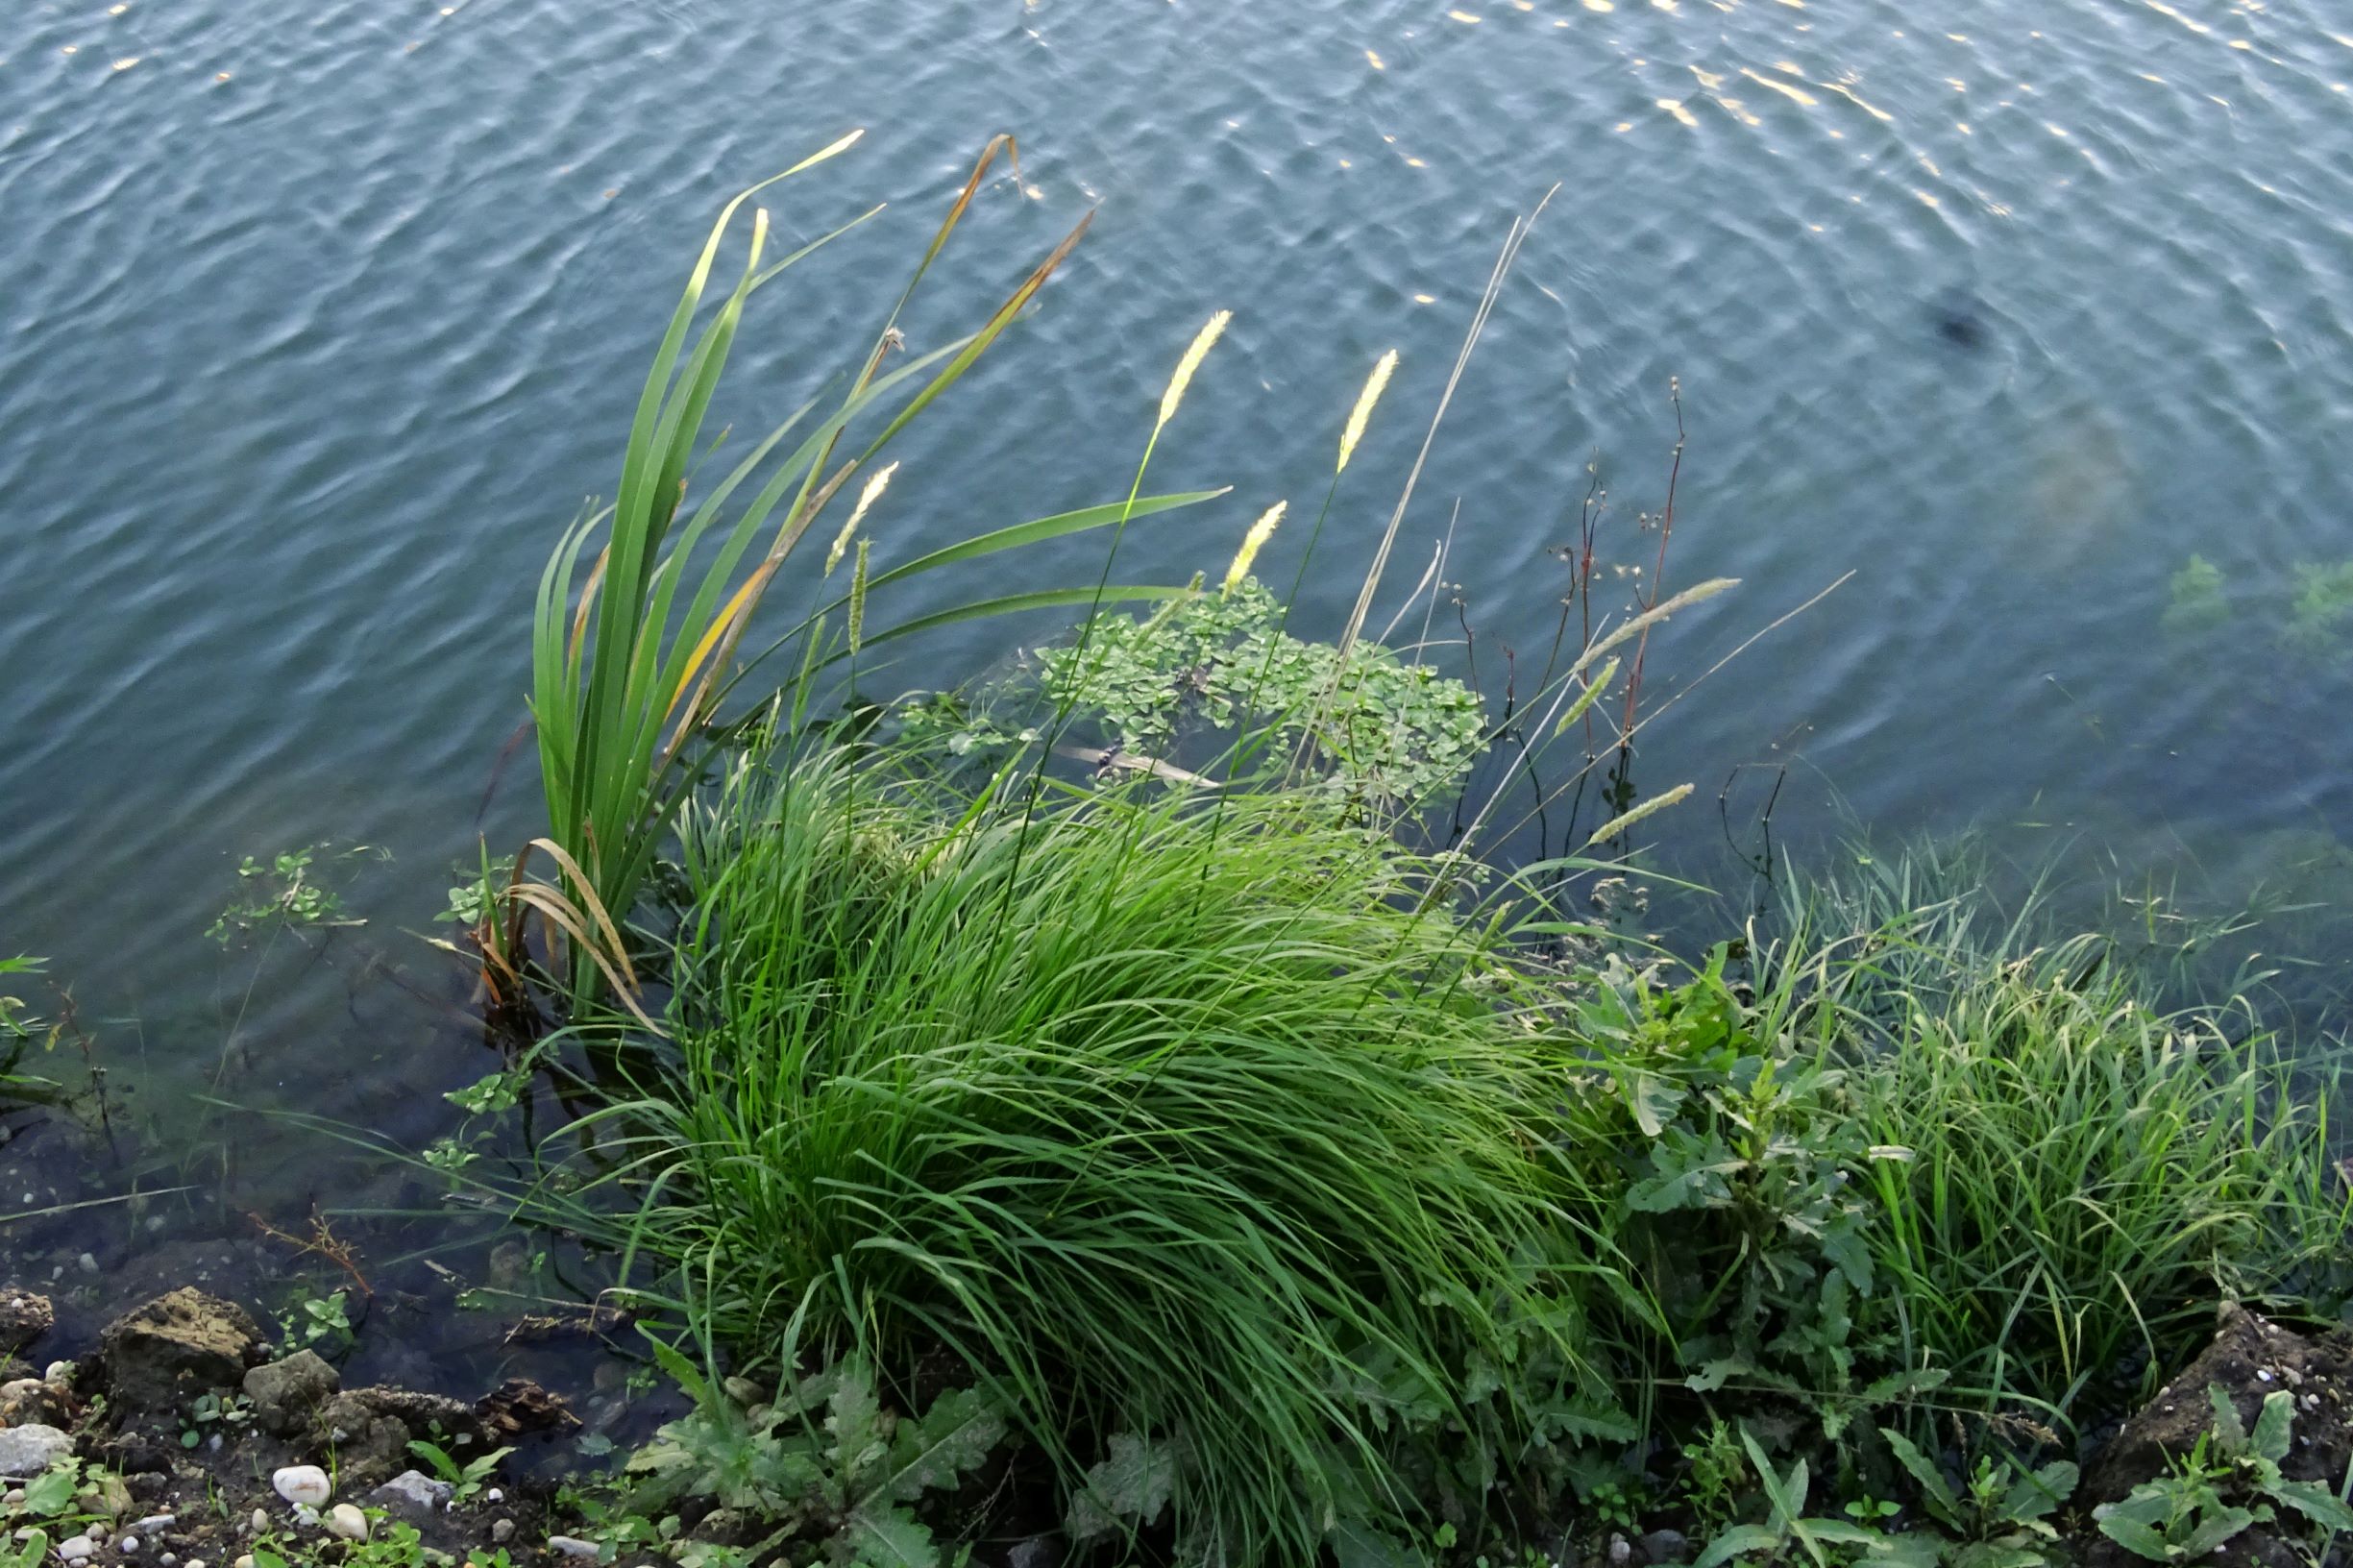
1210	330
857	598
1361	414
865	499
1252	542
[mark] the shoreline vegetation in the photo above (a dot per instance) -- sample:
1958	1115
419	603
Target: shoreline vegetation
1132	1109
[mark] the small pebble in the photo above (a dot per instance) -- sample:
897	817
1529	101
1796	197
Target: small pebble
245	1561
259	1522
13	1495
2263	1374
169	1559
303	1483
87	1263
74	1548
57	1372
502	1532
306	1515
346	1520
129	1543
493	1495
156	1520
99	1529
572	1546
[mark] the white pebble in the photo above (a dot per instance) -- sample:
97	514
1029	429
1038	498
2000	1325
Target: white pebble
348	1522
169	1559
129	1543
493	1495
2263	1374
259	1522
301	1483
156	1520
74	1548
306	1515
57	1372
572	1546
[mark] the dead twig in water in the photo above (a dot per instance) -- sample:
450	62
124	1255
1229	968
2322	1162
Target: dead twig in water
323	1242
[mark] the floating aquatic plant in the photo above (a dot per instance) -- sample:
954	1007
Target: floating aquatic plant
2197	603
2320	618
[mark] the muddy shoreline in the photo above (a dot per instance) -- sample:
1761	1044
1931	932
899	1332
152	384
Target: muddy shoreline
191	1439
201	1440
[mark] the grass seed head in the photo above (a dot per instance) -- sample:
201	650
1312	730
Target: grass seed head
865	499
1253	542
857	597
1361	414
1210	330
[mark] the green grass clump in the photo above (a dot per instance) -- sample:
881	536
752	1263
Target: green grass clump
1187	1128
2085	1169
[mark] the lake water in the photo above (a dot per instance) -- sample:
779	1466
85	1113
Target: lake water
317	321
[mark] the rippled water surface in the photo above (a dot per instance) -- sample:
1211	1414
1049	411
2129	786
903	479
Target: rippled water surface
317	321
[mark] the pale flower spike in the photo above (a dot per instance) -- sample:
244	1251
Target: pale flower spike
866	497
1362	415
857	598
1210	330
1253	542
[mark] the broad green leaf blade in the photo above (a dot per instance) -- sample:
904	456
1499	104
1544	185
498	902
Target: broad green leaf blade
1739	1541
2316	1502
1932	1483
2228	1430
2038	1492
2273	1423
1040	530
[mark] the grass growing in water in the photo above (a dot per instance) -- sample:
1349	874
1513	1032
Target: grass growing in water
2089	1169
